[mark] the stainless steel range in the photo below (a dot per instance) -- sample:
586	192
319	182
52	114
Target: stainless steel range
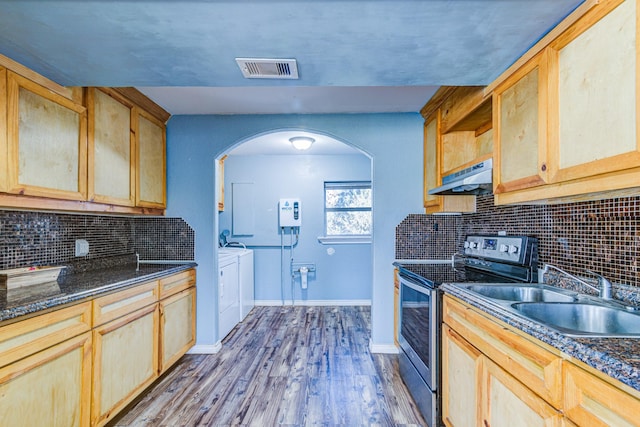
486	259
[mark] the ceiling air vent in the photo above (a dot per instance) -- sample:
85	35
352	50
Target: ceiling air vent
261	68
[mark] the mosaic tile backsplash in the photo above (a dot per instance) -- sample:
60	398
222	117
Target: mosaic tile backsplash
601	236
45	238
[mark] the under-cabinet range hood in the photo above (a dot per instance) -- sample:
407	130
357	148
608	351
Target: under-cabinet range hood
476	179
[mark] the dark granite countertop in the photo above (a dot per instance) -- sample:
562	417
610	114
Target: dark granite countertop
616	357
76	286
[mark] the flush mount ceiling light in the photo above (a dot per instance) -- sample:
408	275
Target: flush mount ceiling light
301	142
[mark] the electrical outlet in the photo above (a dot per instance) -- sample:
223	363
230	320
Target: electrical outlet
82	247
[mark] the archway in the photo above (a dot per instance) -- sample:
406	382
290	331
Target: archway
258	172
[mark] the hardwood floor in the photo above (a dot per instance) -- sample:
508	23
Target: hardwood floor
287	366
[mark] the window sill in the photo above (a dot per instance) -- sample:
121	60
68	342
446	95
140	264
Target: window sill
344	240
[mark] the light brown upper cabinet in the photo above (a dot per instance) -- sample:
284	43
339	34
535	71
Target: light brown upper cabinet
593	108
221	183
79	149
567	120
432	176
457	134
520	128
111	148
46	141
150	160
4	184
465	129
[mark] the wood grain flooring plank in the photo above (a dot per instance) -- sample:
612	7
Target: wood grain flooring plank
283	366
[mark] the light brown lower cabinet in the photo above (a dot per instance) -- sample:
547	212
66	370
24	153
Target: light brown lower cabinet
125	361
477	392
51	387
177	326
592	401
461	381
493	376
81	365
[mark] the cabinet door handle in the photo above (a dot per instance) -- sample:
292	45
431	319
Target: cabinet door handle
486	423
543	168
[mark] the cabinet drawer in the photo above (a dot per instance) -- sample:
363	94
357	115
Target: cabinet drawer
26	337
118	304
537	368
177	283
590	401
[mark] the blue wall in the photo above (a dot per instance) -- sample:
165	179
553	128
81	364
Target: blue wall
344	275
394	142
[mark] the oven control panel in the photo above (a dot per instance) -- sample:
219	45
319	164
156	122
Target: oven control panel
513	249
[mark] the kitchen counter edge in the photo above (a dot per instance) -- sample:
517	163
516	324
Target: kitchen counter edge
110	280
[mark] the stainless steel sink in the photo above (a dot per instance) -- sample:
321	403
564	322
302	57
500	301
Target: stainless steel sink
583	319
523	293
567	312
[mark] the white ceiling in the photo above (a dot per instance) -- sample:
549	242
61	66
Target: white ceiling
353	55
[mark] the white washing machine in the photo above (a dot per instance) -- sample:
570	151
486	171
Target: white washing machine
246	278
228	294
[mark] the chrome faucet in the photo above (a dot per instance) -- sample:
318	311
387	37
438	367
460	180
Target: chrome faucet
604	289
605	286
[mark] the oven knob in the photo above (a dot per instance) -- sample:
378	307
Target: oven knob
504	248
513	249
473	245
466	245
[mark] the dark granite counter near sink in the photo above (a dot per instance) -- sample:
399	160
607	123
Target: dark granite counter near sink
617	357
78	285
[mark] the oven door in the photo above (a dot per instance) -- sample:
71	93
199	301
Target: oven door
419	328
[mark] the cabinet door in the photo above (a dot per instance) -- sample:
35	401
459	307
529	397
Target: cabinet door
431	160
151	160
590	401
508	403
111	167
177	326
4	150
125	361
594	111
520	128
50	388
47	135
461	375
220	180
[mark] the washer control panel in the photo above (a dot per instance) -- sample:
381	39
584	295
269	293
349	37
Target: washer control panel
500	248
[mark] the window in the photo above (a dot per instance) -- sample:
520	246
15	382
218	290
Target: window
347	209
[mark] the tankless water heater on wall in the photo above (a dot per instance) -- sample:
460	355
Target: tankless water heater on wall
289	213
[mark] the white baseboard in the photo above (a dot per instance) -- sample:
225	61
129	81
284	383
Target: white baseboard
205	348
320	302
383	348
